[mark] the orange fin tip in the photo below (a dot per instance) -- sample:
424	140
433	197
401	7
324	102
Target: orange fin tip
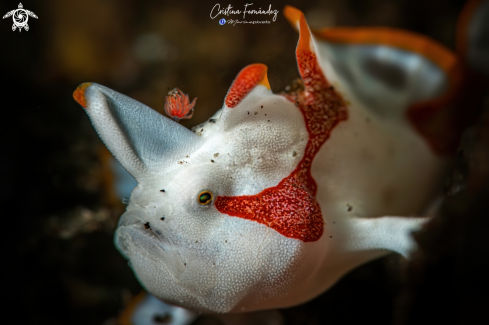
250	77
79	94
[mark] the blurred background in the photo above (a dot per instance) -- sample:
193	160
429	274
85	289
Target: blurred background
59	212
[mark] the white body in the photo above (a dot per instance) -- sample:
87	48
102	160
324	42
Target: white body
374	165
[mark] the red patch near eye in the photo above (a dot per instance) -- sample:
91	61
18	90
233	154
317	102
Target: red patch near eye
291	208
246	80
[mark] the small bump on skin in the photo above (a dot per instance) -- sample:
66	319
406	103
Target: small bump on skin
147	226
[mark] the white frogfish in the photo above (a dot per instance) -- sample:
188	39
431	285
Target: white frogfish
277	196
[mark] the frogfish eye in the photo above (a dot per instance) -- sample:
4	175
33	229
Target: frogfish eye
204	198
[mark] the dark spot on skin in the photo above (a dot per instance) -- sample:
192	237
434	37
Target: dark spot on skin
180	162
349	207
196	241
268	120
186	156
212	161
216	154
265	114
185	264
294	154
334	221
367	119
212	120
248	113
261	106
162	319
201	130
225	241
256	113
162	191
146	226
162	218
330	236
331	88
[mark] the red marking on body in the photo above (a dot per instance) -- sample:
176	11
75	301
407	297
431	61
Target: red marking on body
79	94
178	105
247	79
291	207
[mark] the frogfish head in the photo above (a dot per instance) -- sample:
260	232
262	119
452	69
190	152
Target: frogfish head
189	238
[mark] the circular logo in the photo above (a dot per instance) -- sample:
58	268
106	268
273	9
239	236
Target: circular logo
20	17
222	21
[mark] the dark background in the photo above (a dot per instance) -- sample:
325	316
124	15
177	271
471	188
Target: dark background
59	217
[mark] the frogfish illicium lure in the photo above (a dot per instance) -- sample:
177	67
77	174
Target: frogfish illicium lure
178	105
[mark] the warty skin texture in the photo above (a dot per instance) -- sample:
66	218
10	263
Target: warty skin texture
373	171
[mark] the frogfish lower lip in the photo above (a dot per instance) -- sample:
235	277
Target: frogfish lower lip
135	235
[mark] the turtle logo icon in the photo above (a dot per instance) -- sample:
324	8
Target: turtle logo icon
20	17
